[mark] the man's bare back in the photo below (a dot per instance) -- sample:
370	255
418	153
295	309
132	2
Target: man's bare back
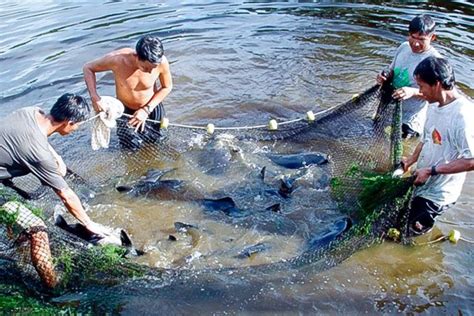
135	80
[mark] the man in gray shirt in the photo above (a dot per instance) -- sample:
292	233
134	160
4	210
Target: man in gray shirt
410	53
24	149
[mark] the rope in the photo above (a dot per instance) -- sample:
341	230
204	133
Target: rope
89	119
441	238
115	109
230	127
467	240
310	117
456	224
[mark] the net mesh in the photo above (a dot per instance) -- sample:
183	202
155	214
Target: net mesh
361	138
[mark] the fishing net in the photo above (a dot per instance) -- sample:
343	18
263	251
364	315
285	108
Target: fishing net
361	139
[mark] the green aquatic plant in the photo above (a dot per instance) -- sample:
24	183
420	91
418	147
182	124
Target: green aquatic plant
7	218
64	262
83	264
93	264
14	300
371	194
105	258
36	211
378	189
7	196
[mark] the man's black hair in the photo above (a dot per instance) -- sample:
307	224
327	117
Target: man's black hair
70	107
435	69
149	48
422	24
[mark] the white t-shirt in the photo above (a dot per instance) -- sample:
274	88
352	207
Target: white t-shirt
403	66
448	135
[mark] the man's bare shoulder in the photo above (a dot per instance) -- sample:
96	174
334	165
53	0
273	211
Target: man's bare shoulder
120	55
164	65
113	60
122	52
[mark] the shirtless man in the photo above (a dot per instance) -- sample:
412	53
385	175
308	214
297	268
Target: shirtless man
136	72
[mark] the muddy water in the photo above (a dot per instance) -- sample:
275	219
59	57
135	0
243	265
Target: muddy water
240	63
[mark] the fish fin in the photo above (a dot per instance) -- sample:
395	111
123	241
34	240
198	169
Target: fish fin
124	188
332	232
219	204
154	175
180	226
77	230
127	243
262	173
139	252
225	205
61	222
125	239
274	208
286	187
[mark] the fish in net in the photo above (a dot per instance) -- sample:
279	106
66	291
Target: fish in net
361	137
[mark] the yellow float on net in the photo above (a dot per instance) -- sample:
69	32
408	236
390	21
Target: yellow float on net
454	236
310	116
164	123
355	96
273	125
210	128
393	233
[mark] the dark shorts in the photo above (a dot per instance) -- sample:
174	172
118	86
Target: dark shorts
422	214
408	132
134	140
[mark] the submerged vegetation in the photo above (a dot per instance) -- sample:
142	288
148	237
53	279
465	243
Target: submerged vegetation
76	267
9	219
91	264
374	194
15	300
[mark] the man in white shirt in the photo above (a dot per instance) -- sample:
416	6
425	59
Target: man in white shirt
446	150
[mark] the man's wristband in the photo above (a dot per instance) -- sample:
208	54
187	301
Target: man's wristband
433	171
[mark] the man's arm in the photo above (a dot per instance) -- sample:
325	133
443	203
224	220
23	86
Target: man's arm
104	63
73	204
408	161
455	166
405	93
166	83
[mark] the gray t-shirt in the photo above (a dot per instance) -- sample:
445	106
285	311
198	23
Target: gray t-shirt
403	66
24	149
448	136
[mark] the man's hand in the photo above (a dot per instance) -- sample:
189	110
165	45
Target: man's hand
138	120
97	229
97	104
404	93
381	78
422	175
407	162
